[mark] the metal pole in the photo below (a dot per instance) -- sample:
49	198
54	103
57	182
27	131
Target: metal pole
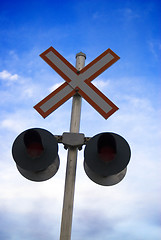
67	212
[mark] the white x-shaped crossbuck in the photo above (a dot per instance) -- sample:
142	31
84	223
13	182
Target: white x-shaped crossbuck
77	81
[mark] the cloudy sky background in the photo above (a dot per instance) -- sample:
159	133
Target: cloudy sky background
130	209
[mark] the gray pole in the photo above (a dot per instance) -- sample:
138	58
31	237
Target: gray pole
67	212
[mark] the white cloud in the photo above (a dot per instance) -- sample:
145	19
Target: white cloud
101	84
155	47
5	75
55	86
129	14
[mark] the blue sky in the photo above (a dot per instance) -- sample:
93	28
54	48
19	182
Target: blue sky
130	209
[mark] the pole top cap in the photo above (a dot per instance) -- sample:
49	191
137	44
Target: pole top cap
81	54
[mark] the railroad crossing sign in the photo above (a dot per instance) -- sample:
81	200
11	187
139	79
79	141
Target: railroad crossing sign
77	81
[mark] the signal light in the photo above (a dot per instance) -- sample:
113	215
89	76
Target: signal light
106	157
35	152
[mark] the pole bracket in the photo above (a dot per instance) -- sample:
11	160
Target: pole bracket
73	140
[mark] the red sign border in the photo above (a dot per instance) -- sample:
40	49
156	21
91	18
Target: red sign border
87	81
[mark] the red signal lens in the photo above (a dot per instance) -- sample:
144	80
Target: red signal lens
35	149
106	147
107	154
33	143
